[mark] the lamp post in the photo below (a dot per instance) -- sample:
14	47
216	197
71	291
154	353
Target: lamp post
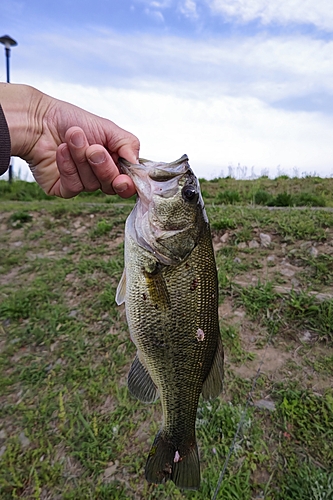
8	42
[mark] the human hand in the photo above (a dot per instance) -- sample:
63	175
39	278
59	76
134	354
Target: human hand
70	150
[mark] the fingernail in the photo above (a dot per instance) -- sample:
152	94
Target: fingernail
120	188
97	157
77	139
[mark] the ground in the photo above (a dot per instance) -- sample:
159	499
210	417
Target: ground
69	428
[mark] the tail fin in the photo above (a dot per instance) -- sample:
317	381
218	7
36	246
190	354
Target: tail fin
166	461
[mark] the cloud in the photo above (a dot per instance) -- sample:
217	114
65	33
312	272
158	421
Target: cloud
316	12
155	14
214	132
188	8
156	4
272	69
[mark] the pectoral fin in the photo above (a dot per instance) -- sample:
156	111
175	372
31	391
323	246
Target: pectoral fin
213	384
121	289
140	383
158	291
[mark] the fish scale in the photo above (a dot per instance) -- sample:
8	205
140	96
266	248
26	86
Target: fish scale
171	297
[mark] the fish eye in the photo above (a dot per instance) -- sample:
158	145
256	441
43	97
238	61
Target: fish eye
189	193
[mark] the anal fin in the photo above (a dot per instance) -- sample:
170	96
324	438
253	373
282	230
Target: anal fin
140	383
213	384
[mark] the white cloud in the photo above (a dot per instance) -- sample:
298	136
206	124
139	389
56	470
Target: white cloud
155	14
156	4
188	8
268	68
214	132
316	12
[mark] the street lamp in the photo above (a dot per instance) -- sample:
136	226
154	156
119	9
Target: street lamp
8	42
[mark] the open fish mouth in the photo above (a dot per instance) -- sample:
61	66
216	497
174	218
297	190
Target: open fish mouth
152	178
160	171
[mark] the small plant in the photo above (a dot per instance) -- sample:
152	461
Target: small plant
258	299
17	219
228	197
224	223
232	342
102	228
308	482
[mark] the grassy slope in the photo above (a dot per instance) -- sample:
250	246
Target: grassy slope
68	427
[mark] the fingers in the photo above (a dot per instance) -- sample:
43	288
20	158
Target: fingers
88	168
130	150
107	173
77	145
123	185
69	184
76	174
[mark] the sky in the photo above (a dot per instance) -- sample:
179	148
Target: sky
243	87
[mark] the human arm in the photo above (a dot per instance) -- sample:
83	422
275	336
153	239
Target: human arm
69	150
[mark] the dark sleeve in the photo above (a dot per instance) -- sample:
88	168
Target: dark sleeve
4	143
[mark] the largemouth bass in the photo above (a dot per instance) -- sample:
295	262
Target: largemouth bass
170	291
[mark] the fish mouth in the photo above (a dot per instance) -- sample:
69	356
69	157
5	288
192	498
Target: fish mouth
152	178
160	172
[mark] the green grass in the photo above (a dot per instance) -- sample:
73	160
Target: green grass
280	192
68	425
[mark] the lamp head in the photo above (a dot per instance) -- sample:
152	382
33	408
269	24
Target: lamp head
7	41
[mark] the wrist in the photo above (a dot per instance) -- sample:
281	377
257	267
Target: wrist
22	106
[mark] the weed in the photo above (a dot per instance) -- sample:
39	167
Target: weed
231	341
318	316
309	482
102	227
224	223
259	299
306	418
298	225
17	219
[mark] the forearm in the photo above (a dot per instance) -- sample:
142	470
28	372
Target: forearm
4	143
21	105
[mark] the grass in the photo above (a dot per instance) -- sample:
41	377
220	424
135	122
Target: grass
68	426
280	192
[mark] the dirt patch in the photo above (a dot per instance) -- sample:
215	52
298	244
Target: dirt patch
273	361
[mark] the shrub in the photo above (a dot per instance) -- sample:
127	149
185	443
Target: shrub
281	200
310	200
228	197
262	197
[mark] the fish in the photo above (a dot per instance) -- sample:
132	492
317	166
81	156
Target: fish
170	290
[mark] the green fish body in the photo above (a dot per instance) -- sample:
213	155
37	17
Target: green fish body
170	290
